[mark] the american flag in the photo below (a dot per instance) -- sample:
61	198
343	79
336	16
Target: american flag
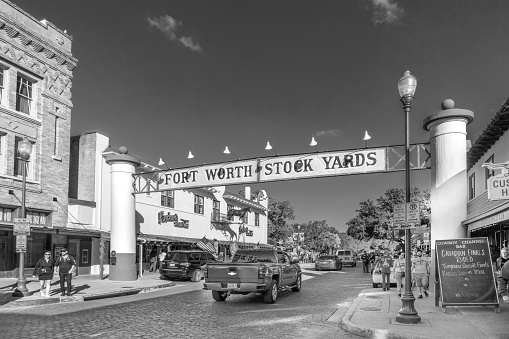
234	247
206	245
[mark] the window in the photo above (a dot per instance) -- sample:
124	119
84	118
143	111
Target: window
3	142
245	218
37	218
5	214
23	95
215	210
471	187
198	204
2	85
168	199
487	172
257	219
228	208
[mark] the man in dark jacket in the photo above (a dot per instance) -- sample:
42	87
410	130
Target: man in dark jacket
365	262
65	266
503	281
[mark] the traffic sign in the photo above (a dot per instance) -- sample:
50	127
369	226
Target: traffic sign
399	214
405	214
21	243
413	213
21	226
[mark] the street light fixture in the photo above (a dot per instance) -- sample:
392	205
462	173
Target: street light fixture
407	314
24	151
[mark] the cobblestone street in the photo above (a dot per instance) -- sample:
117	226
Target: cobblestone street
194	314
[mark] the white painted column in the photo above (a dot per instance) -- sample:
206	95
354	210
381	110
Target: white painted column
123	230
449	182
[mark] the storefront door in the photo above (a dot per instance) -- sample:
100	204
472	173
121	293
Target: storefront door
74	251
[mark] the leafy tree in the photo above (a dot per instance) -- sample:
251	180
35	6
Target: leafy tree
319	236
280	212
375	219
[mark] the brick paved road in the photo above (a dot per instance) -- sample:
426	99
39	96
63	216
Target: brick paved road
195	314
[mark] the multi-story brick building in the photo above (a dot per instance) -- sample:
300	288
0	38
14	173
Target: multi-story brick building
36	66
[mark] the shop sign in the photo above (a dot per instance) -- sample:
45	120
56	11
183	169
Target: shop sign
244	229
21	226
162	218
498	187
21	243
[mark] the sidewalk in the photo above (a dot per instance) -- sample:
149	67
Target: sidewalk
84	287
373	315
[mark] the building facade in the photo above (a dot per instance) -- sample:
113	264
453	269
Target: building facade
486	217
36	72
164	220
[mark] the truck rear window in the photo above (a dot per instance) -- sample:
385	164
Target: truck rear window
258	256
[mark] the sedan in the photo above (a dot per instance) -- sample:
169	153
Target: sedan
328	262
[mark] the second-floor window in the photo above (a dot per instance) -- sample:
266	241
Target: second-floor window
471	187
37	218
168	199
3	142
24	95
5	214
216	208
198	204
257	219
245	218
1	85
228	208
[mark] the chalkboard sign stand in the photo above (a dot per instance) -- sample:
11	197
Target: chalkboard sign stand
465	273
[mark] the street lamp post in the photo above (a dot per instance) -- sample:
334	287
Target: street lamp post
407	314
24	150
298	241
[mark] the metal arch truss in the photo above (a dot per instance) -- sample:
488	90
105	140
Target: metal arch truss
420	156
300	166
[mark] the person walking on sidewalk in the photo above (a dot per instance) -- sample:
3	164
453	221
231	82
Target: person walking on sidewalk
503	282
385	263
500	261
399	271
153	260
420	269
44	270
365	262
65	266
161	258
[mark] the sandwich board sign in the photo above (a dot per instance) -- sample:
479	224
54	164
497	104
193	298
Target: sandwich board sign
465	273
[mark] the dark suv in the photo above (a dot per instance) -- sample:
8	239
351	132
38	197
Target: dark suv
185	264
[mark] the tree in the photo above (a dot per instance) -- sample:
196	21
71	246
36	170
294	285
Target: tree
280	212
375	219
319	236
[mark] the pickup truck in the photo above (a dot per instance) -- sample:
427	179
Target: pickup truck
265	271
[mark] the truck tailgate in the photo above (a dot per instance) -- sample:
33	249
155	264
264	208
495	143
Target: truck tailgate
233	272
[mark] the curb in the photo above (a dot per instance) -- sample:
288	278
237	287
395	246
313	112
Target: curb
86	297
368	332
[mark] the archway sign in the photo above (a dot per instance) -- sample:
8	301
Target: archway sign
286	167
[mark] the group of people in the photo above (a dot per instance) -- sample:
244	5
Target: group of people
156	259
389	265
64	266
502	272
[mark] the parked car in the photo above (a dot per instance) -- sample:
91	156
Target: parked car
185	264
346	257
328	262
376	277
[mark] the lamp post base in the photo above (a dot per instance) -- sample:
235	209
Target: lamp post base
21	289
407	314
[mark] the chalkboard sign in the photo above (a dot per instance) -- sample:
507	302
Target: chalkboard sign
465	272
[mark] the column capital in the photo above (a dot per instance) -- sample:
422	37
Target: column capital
122	157
448	112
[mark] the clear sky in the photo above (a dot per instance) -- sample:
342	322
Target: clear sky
167	77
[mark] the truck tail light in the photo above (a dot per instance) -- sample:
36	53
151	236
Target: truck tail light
262	272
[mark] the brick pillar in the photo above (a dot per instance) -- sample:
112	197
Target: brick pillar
123	231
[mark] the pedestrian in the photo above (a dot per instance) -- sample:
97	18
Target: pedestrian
162	256
494	254
65	266
500	261
503	281
420	268
399	272
385	262
44	270
365	262
153	260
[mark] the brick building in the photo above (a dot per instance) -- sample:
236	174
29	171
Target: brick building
36	66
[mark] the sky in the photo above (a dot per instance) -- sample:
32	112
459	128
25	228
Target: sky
167	77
